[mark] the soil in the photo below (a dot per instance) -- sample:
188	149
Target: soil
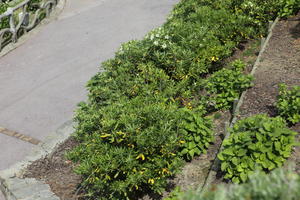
280	64
58	172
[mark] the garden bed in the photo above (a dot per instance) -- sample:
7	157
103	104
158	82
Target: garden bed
58	172
150	111
280	63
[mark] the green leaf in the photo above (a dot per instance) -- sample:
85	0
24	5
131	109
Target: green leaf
239	168
277	146
228	151
192	145
241	152
243	176
235	161
184	151
197	151
192	153
190	127
221	157
197	139
236	180
224	166
267	126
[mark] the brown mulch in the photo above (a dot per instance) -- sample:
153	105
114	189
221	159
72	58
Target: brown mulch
280	63
58	172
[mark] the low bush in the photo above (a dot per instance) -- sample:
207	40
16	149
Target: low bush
133	145
257	142
278	185
197	134
288	103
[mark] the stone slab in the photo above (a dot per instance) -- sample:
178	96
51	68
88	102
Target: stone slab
2	196
12	150
12	183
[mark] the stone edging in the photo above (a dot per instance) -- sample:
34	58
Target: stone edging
53	15
215	166
12	184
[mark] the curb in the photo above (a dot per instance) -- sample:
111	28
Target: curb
12	184
216	164
53	16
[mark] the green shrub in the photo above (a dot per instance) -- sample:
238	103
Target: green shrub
288	103
133	145
226	85
257	142
288	7
280	184
197	134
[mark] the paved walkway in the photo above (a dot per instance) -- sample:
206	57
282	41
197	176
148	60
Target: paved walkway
42	81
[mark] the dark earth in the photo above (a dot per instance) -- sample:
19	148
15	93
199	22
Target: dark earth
280	63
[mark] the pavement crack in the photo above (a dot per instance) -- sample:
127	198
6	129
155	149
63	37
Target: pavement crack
19	136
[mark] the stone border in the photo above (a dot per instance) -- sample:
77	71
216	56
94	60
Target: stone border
53	16
12	184
237	104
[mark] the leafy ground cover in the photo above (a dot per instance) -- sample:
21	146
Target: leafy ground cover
149	111
256	143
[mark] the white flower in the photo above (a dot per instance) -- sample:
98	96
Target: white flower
164	46
157	35
155	43
151	37
167	37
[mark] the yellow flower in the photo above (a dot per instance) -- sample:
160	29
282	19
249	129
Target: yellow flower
107	177
120	133
105	135
131	145
214	58
165	170
151	181
141	156
181	142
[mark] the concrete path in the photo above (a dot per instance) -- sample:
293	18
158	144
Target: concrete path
42	81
